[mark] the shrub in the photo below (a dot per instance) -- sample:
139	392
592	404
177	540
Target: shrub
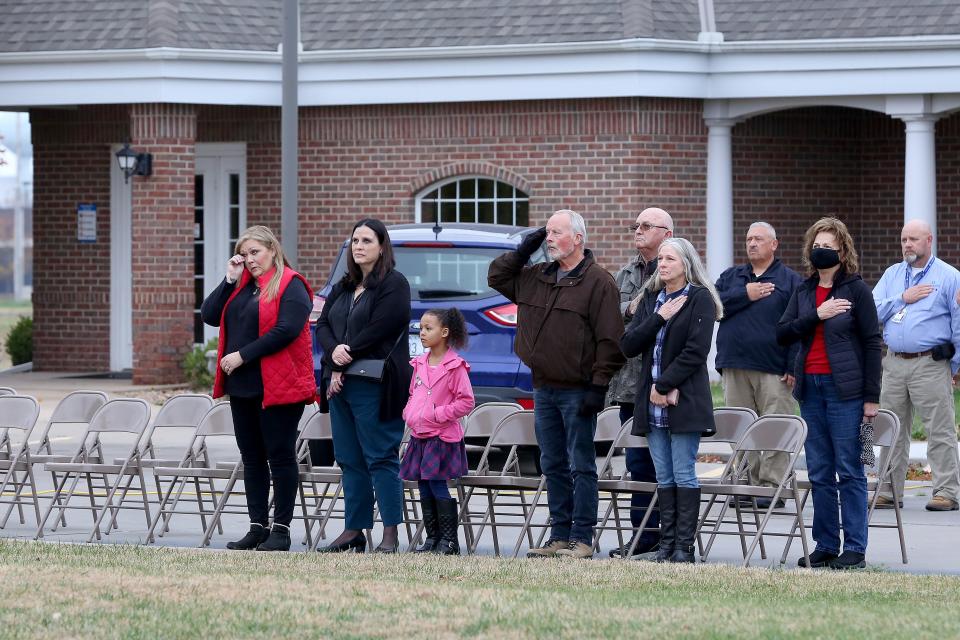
195	367
19	342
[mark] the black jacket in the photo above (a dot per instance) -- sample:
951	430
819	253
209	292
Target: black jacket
683	363
747	336
380	317
852	339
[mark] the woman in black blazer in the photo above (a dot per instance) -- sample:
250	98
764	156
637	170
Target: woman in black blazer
367	316
672	330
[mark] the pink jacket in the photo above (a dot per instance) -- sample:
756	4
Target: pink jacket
439	397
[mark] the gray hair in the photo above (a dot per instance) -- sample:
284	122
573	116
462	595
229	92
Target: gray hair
693	269
577	225
765	225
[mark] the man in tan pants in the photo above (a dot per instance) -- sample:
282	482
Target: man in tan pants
921	327
754	366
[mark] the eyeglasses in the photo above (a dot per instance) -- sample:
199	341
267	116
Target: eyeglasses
646	226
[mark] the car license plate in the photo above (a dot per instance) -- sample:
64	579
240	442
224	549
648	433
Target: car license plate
416	347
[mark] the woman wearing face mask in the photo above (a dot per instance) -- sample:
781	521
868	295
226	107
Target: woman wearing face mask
838	368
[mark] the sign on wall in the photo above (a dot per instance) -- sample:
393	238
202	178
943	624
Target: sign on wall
86	222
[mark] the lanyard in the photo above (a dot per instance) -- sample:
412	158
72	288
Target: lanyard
906	275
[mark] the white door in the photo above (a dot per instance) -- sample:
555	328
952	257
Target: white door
220	187
121	280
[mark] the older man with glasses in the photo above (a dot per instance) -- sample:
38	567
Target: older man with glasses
652	227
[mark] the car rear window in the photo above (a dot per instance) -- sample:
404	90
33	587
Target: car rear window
442	273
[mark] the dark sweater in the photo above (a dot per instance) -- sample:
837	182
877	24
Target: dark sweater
379	317
243	329
747	337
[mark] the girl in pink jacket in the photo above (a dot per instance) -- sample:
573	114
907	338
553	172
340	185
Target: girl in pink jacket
440	394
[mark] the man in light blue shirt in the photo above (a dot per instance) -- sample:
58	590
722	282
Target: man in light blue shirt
921	326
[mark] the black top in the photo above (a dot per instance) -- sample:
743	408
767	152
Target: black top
243	329
379	316
683	361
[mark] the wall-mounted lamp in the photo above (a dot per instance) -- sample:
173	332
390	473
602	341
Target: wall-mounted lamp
133	163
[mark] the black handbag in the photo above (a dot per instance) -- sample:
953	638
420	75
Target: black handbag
370	368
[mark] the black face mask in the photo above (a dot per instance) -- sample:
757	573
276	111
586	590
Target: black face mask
823	258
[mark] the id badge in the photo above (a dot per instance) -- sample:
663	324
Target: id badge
898	316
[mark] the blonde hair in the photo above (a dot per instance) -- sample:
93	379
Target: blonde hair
693	270
263	235
849	261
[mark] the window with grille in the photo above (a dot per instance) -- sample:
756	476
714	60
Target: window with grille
474	199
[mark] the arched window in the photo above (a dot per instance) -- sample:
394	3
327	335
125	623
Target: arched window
474	199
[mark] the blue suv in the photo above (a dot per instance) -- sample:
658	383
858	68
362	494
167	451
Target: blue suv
447	267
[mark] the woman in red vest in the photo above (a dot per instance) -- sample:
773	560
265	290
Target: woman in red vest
266	366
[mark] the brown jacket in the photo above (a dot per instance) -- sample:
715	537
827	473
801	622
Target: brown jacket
568	332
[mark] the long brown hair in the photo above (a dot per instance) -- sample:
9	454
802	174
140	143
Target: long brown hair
849	262
263	235
384	264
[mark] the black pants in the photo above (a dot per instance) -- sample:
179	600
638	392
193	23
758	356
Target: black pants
267	439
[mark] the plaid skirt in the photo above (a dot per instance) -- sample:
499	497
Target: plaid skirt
433	459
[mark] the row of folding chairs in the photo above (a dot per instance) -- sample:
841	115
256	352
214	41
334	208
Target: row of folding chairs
195	483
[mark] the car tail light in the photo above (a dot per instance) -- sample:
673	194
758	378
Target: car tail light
526	403
505	314
318	302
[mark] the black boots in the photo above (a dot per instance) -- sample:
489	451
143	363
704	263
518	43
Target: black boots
257	534
279	539
447	516
688	516
667	503
431	525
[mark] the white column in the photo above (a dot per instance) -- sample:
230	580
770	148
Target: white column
719	196
920	172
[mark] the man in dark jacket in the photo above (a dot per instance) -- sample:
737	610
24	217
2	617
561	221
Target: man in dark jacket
568	333
653	225
756	370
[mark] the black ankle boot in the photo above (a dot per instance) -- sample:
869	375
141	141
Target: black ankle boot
667	503
257	534
447	515
688	516
279	539
430	525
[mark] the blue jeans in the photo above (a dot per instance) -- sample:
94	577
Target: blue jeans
833	462
569	461
675	457
640	465
367	451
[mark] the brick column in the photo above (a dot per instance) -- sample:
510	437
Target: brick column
162	239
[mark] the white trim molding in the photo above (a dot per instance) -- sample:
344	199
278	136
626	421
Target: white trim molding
712	69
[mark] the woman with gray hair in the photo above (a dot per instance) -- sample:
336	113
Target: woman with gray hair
673	330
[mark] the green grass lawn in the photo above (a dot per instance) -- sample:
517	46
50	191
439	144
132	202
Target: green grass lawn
78	591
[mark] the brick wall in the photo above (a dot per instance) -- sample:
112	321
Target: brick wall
162	242
71	280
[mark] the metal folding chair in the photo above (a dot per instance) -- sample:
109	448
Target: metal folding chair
128	416
19	414
70	418
622	488
886	430
196	466
772	432
514	431
319	479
